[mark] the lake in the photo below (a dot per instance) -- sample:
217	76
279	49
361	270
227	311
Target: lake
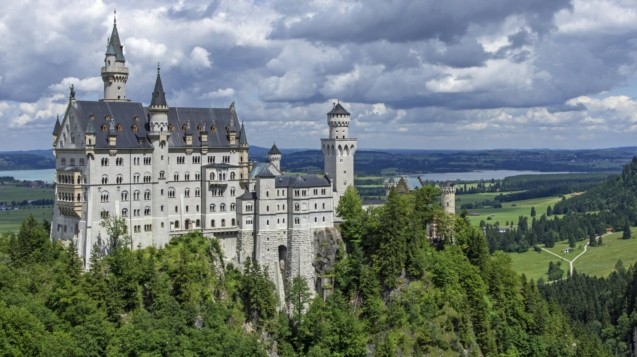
46	175
480	175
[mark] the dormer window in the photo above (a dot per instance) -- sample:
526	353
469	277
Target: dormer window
119	127
135	128
104	128
108	117
170	127
137	118
200	128
183	128
213	128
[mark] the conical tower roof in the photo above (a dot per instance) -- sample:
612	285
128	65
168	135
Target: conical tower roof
159	96
58	127
274	150
243	139
90	128
338	109
117	45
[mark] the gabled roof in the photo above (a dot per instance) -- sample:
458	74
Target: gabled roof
338	109
58	127
265	173
274	150
159	97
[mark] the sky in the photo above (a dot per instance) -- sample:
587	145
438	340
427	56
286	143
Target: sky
426	74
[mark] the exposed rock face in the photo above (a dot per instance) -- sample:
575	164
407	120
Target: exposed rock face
327	244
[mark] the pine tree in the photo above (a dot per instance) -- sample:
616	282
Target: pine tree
549	211
532	211
626	234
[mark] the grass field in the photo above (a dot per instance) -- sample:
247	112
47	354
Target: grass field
510	211
10	220
598	261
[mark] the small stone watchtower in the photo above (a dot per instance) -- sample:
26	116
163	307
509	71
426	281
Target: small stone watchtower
448	198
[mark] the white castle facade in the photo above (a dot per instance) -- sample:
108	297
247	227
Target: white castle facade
169	170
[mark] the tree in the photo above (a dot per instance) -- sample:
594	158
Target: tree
532	211
117	231
350	209
626	234
549	211
257	291
298	297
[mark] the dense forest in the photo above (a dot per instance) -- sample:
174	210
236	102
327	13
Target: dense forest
394	294
604	307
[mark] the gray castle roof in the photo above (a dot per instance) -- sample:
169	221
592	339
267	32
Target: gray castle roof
90	128
338	109
58	127
301	181
265	172
243	138
124	113
159	96
274	150
413	183
117	45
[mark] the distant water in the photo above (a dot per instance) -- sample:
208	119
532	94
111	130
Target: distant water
46	175
479	175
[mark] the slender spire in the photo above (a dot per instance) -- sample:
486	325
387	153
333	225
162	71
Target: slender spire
233	118
112	131
58	127
159	97
116	43
243	139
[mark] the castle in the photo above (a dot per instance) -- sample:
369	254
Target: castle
170	170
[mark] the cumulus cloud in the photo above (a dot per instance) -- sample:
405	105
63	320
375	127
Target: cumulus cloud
414	74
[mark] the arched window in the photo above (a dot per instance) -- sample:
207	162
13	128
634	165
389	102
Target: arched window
234	222
147	195
212	176
104	161
186	177
222	207
136	178
249	207
147	178
176	224
232	206
197	176
176	176
161	174
232	176
187	192
79	197
197	192
119	179
124	212
124	195
104	196
212	207
249	222
212	223
171	193
104	180
223	223
147	211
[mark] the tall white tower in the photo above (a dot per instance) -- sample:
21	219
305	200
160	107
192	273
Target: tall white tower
114	72
338	151
448	198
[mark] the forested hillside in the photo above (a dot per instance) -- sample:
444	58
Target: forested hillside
603	307
610	204
394	294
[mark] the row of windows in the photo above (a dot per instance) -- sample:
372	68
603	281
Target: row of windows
68	179
71	162
136	212
297	220
119	127
118	161
68	197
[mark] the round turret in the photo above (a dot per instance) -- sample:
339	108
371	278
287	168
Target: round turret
338	120
274	157
448	198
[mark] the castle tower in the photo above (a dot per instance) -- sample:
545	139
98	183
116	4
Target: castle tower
274	157
158	108
448	198
338	152
244	162
114	72
388	186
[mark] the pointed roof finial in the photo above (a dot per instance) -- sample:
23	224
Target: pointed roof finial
115	17
158	68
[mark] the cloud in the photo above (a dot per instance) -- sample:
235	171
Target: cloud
413	73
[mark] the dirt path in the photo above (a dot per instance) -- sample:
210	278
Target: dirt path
570	262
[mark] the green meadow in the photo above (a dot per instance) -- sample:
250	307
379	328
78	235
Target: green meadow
510	211
10	220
